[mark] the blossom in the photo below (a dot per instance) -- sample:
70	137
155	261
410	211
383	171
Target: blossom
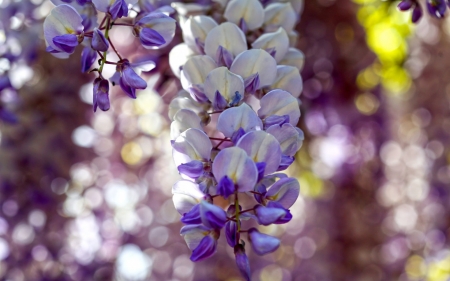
101	94
63	30
155	30
251	12
262	243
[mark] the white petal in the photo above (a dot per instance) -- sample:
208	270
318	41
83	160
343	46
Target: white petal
227	35
278	40
234	118
184	119
197	27
184	101
279	102
178	56
279	15
251	11
294	57
224	81
256	61
197	68
288	79
186	194
194	144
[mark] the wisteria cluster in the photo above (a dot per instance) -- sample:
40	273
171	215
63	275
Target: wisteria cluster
435	8
75	23
223	147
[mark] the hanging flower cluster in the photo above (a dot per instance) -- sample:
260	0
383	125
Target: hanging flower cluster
234	126
75	23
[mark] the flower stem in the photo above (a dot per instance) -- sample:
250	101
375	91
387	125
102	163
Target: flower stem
107	37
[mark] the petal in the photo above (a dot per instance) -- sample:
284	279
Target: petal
289	137
234	163
278	15
229	36
225	187
178	56
278	40
99	42
285	191
267	215
184	101
143	64
193	216
196	28
151	38
183	120
132	79
262	147
256	61
279	102
205	249
193	169
288	79
162	24
294	57
224	81
234	118
212	216
63	19
231	233
66	42
262	243
251	11
286	161
196	69
195	144
130	91
242	261
193	234
88	56
186	195
102	5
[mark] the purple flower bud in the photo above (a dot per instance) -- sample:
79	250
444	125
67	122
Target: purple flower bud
118	9
224	57
88	57
405	5
193	169
231	233
262	243
225	187
219	102
272	213
101	96
416	14
252	83
99	42
205	249
193	216
242	261
212	216
436	8
66	42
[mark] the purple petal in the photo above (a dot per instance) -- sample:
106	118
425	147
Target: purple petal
219	102
261	166
436	8
99	42
262	243
132	79
205	249
225	187
193	216
268	215
212	216
405	5
101	96
285	191
66	42
131	92
193	169
193	234
252	83
151	38
224	57
118	9
231	233
243	25
416	14
279	102
262	147
197	93
285	162
289	137
242	261
88	57
238	117
276	120
234	163
237	135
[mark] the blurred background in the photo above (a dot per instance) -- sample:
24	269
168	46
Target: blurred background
87	196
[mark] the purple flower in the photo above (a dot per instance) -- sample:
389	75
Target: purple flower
279	102
155	30
436	8
205	249
262	243
193	169
117	8
212	216
128	80
231	233
405	5
225	187
416	14
285	191
88	57
290	137
99	42
63	30
101	94
242	261
193	216
201	240
242	117
272	213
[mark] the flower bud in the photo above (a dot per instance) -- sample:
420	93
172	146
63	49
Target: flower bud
101	94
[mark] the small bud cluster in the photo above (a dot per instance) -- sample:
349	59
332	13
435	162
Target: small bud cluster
75	23
436	8
234	125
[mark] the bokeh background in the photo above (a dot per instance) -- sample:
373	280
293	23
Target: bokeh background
87	196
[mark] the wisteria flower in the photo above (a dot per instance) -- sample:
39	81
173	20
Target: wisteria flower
155	30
